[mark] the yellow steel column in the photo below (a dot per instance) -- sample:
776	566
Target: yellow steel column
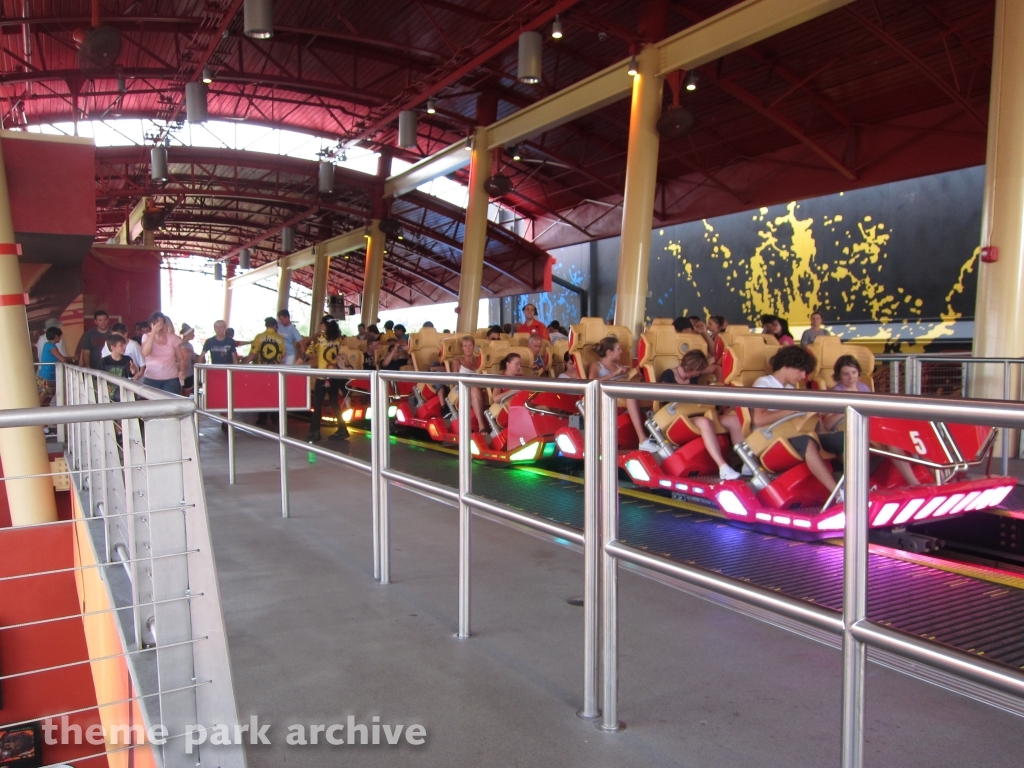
284	287
373	273
999	314
321	266
22	449
474	239
638	198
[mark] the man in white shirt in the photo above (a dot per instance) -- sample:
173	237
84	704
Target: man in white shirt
132	350
293	346
51	323
790	366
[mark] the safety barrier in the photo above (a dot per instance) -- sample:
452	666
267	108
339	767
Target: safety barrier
139	553
603	550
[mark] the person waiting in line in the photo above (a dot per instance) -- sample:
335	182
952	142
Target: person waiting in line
188	358
267	348
132	349
606	367
531	324
117	363
539	364
160	349
571	371
90	346
219	347
807	337
46	377
293	341
790	366
324	353
51	323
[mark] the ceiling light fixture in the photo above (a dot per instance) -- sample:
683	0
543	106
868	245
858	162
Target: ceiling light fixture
515	152
556	28
207	75
431	106
259	19
691	80
531	58
634	67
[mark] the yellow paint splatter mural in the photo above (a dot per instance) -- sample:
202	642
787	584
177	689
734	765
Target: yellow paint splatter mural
890	263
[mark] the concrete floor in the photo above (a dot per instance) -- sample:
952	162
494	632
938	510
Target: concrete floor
314	639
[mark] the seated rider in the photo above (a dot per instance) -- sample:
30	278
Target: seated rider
468	362
606	367
570	372
536	343
510	365
790	366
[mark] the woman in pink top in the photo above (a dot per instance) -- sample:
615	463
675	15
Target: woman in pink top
163	362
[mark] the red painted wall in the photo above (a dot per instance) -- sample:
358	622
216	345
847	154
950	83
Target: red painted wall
127	287
52	184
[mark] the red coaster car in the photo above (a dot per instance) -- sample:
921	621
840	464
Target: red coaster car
919	469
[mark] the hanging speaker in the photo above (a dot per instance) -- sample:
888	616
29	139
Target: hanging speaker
498	185
244	257
158	163
326	177
195	102
675	122
407	120
288	239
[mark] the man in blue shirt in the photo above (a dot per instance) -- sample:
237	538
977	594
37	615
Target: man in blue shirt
292	338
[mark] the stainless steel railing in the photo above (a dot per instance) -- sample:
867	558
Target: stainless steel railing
133	467
603	550
856	631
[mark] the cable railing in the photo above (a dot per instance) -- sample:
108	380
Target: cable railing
143	570
603	549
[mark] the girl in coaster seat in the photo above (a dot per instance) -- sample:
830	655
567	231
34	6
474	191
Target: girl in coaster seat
606	367
690	369
510	365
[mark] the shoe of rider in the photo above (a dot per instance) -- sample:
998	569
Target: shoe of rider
650	445
728	473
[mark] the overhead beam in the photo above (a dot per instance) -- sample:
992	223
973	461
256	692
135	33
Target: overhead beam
300	216
335	246
133	225
731	30
448	160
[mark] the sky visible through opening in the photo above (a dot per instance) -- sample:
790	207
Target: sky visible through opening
189	292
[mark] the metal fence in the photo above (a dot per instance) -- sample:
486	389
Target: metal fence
144	547
603	550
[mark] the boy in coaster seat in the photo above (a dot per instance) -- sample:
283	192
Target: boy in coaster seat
790	366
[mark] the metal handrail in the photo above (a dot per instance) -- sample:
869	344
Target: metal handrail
852	624
603	550
172	407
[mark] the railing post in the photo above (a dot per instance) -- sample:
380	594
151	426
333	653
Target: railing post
591	550
894	376
465	514
855	586
1006	432
609	564
381	488
61	397
231	426
282	432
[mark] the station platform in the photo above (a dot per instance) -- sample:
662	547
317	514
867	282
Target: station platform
314	639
